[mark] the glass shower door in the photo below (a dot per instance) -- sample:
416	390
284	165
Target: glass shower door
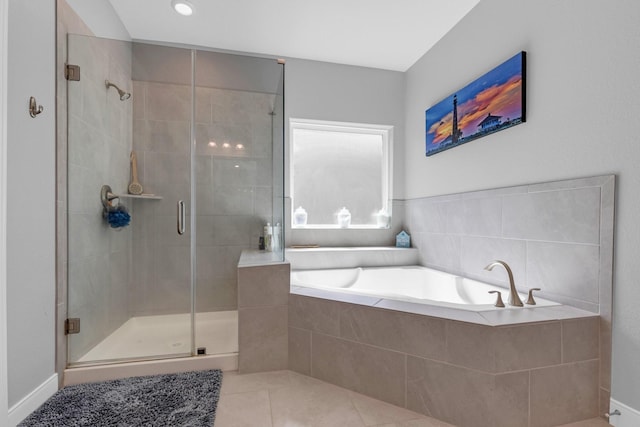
129	285
237	102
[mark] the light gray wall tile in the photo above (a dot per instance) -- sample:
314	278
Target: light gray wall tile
218	261
427	216
263	285
562	216
168	101
439	250
368	370
233	230
454	216
138	96
478	252
262	339
300	350
568	184
482	216
225	172
203	104
164	136
216	294
408	333
564	269
229	200
163	168
580	339
564	393
527	346
470	345
466	397
314	314
605	353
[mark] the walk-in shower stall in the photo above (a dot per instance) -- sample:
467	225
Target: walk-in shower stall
206	129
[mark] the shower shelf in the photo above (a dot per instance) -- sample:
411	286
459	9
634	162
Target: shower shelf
141	196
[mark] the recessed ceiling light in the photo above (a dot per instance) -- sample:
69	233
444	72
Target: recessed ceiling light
183	7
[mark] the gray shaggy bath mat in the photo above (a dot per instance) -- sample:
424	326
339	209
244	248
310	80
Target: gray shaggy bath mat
186	399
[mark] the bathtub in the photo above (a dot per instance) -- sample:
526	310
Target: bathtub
414	284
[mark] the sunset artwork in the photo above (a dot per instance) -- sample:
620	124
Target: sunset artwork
493	102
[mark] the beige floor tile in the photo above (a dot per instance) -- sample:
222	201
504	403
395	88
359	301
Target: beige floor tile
594	422
289	399
303	380
313	405
250	409
426	422
233	382
421	422
375	412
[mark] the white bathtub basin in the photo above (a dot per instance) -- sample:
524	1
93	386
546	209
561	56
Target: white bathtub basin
408	283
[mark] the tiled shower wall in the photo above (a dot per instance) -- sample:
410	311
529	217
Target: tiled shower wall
556	236
99	143
233	187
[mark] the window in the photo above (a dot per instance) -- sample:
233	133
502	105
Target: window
340	174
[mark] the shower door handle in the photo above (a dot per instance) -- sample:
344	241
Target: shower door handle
180	217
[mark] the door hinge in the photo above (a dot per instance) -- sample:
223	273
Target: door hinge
72	326
72	72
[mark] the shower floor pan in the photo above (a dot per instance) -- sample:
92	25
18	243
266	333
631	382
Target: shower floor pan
152	345
166	335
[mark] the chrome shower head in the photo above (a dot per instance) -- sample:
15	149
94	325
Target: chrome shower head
123	95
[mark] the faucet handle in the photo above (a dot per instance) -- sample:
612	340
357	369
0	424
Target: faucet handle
499	302
530	299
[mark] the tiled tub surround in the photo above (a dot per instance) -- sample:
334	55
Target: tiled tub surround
468	373
557	236
504	367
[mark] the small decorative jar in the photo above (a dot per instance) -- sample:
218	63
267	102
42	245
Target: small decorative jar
300	216
382	218
344	218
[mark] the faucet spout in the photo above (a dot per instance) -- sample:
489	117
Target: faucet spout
514	298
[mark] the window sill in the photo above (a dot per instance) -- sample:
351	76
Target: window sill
337	227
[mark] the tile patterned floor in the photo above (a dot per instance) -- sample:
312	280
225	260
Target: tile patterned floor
288	399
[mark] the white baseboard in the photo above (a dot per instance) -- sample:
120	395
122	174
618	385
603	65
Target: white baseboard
628	417
33	400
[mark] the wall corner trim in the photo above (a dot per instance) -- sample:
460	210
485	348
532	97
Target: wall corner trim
33	400
628	417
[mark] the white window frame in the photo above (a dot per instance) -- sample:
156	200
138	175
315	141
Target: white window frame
384	131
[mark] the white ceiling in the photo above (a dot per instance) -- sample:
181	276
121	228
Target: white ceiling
387	34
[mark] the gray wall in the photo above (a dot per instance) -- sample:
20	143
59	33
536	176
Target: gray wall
581	107
335	92
30	160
